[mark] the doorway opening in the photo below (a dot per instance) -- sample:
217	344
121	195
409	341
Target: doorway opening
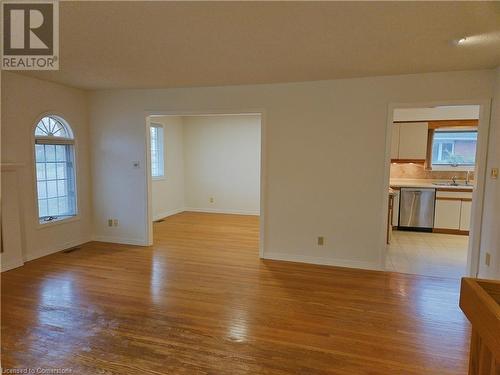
435	172
204	179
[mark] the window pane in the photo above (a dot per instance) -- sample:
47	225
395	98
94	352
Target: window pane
51	189
454	148
52	206
39	153
52	127
42	207
156	151
153	136
60	153
40	171
55	173
62	188
61	170
51	171
50	152
42	189
63	205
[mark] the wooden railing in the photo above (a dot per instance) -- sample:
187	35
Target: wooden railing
480	301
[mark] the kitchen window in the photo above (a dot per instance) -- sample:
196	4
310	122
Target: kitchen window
55	171
454	148
157	155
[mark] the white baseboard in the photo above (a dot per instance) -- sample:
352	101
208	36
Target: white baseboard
120	240
165	214
54	249
224	211
11	265
323	261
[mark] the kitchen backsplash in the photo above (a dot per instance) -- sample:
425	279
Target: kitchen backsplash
417	171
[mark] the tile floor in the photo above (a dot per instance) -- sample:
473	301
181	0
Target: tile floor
430	254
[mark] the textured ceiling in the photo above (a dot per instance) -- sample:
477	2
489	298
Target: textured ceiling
181	44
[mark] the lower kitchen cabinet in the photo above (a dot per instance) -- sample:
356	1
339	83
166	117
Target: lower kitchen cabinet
395	209
465	215
447	214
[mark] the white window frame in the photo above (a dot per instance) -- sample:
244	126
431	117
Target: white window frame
52	140
160	150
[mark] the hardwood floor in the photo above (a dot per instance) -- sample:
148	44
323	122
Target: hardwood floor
200	301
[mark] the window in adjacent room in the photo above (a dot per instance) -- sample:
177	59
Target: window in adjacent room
55	170
157	156
454	148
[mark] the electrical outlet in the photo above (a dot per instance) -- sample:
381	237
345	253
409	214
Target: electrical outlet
494	173
110	222
321	241
115	222
211	199
487	259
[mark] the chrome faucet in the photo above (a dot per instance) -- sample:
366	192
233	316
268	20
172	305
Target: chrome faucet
467	178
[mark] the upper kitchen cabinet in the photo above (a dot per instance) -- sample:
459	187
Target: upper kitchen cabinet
409	141
395	141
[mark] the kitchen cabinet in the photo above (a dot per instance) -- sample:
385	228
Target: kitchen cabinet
409	141
413	140
389	216
395	209
465	213
447	214
453	211
395	141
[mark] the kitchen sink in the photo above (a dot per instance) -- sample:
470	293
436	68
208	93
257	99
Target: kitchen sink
450	184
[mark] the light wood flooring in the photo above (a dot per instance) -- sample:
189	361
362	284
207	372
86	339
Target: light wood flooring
200	301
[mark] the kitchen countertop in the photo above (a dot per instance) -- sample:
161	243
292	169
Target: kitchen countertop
421	183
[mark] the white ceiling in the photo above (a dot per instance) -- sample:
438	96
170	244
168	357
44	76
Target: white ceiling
180	44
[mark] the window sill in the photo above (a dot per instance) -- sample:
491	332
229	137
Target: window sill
449	168
52	223
158	178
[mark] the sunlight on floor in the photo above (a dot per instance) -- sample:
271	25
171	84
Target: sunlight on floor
430	254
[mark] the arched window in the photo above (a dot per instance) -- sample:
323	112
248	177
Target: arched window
55	171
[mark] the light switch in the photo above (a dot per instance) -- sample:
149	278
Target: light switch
136	164
494	173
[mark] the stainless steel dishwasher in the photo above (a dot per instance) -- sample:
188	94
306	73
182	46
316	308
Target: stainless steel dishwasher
416	209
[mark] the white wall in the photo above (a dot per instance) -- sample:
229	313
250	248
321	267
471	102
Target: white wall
490	235
324	155
24	100
168	192
214	156
222	160
12	255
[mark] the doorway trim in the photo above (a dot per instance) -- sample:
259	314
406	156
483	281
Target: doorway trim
263	165
474	247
